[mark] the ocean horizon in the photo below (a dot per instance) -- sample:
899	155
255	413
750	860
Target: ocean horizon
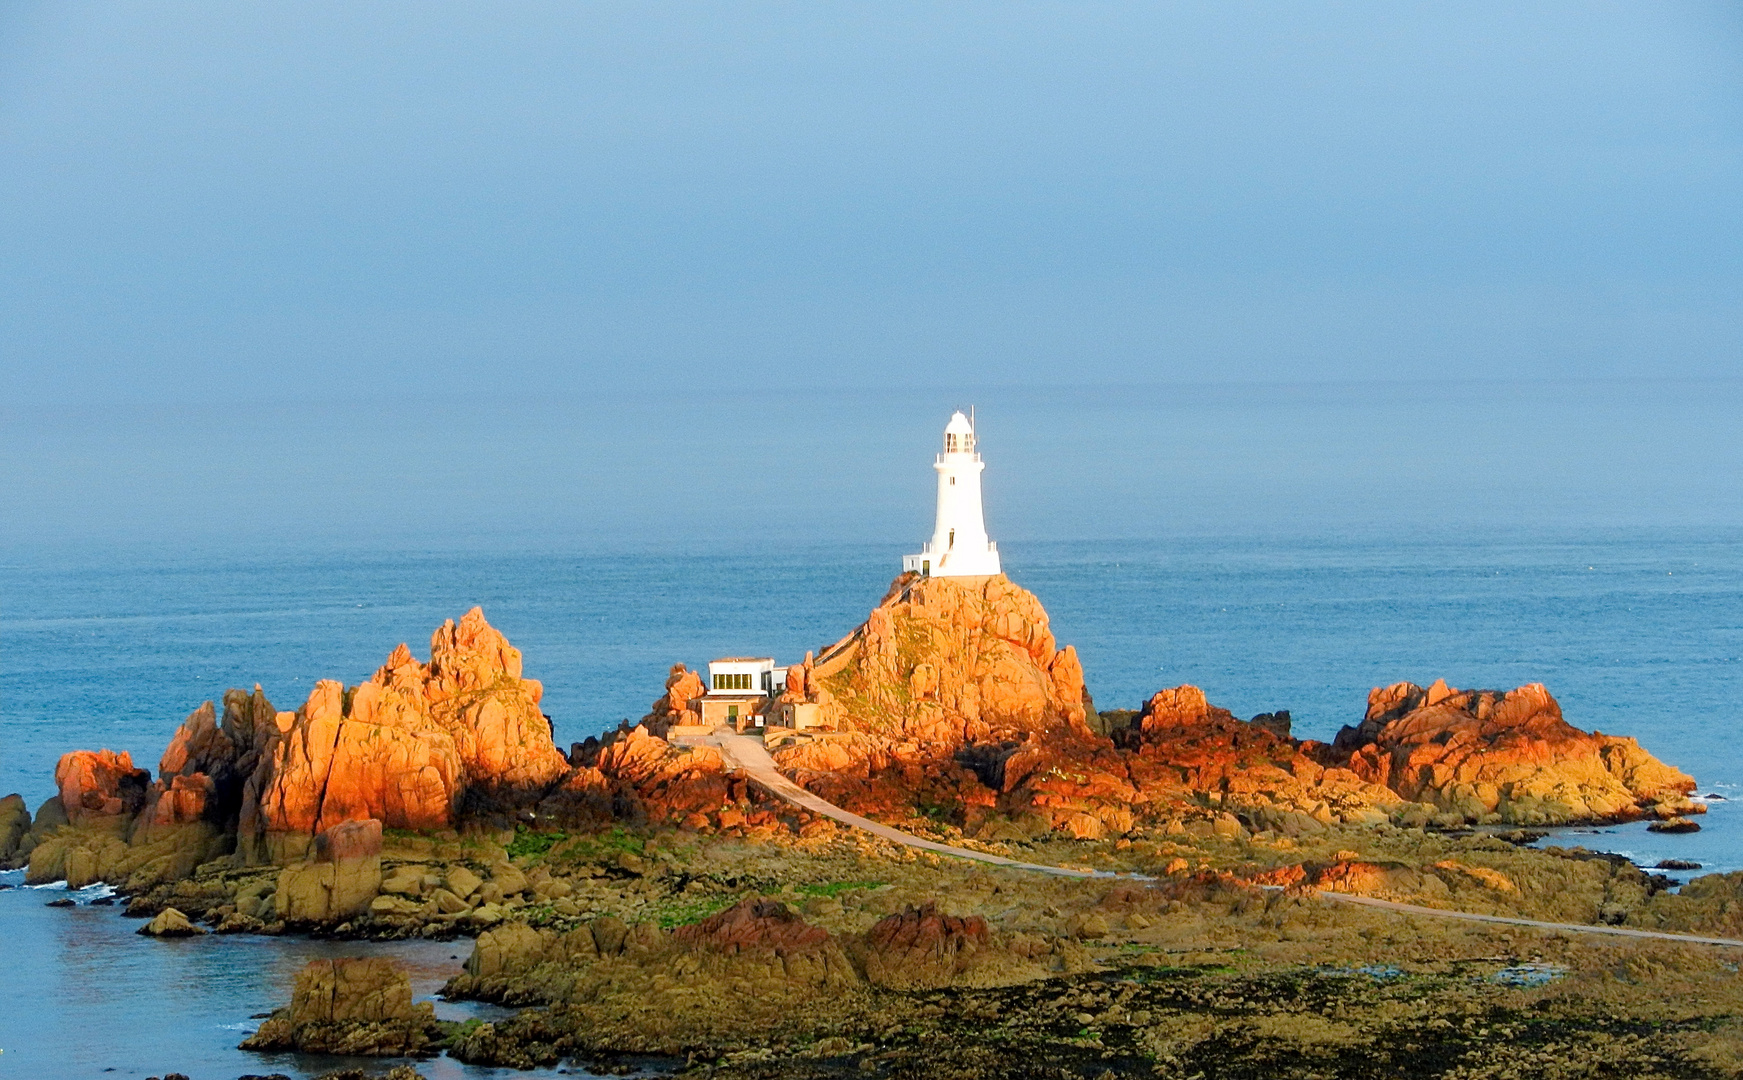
1636	632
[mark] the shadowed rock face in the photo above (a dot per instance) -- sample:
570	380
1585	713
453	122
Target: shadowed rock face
340	877
1485	755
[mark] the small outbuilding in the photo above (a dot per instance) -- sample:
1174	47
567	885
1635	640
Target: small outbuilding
739	691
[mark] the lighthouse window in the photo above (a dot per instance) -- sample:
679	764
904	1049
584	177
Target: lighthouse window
953	481
950	442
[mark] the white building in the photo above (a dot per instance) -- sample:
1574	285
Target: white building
746	675
739	691
959	546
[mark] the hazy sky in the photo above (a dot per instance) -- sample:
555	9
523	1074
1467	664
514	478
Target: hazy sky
272	261
241	201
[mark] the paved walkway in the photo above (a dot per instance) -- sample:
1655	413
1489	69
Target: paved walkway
746	753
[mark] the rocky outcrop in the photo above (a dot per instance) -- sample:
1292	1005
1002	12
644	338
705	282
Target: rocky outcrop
764	940
100	786
637	777
758	943
1181	741
14	825
360	1007
205	772
921	948
339	878
946	661
1488	756
418	746
171	923
410	745
679	704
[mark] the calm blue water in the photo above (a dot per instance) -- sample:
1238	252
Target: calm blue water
1636	632
92	998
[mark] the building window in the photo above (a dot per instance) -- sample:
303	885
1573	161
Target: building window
732	681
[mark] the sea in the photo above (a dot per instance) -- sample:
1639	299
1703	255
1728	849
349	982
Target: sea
1636	631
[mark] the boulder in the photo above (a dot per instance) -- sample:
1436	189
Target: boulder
338	880
508	878
100	784
679	704
921	948
507	950
170	922
14	825
462	882
1674	825
353	1007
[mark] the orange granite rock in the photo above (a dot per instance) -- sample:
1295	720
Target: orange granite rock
683	689
204	773
405	747
634	776
943	661
1487	756
100	784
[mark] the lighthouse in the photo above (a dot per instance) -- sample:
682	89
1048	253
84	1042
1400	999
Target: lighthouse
959	546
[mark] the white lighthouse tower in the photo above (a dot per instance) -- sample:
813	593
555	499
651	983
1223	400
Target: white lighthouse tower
959	546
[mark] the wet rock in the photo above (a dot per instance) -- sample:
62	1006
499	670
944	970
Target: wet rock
14	824
1676	864
356	1007
1674	825
169	923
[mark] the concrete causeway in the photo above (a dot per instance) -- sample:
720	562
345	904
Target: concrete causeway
747	754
